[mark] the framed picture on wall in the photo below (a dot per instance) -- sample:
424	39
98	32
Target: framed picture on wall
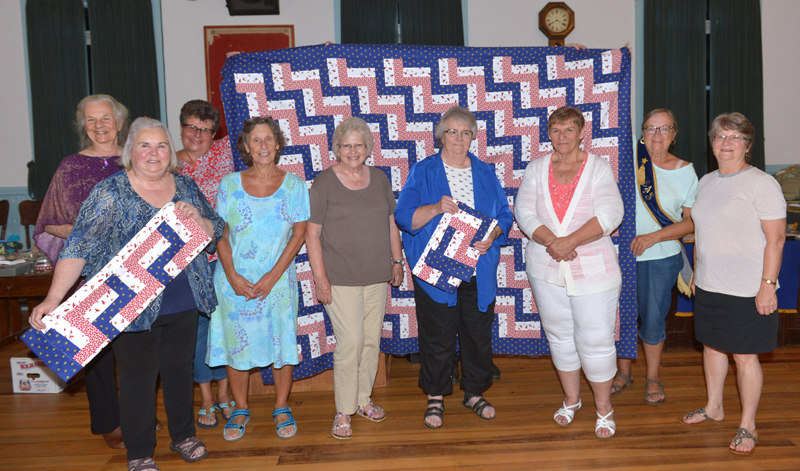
220	40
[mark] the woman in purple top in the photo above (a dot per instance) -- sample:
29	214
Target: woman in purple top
101	123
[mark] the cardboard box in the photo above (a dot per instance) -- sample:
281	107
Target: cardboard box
30	375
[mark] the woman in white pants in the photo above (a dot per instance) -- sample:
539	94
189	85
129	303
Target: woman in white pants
568	204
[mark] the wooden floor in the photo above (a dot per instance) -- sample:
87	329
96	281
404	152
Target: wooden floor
52	431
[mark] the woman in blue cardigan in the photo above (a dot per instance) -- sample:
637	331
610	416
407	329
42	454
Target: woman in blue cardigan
431	190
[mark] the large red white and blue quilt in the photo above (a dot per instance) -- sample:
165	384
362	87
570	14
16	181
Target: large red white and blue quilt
401	92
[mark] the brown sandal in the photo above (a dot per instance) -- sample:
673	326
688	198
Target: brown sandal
187	448
142	464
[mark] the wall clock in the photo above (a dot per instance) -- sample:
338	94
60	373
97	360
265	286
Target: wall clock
556	21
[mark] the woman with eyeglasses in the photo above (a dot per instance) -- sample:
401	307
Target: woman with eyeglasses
354	250
666	190
206	161
740	227
568	204
432	189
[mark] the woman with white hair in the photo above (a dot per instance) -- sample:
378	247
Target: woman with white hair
432	189
354	250
101	125
160	341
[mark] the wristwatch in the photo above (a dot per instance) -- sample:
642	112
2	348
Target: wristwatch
400	262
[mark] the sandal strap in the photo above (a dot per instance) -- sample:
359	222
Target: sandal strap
432	411
743	433
287	423
603	422
238	412
568	411
188	445
142	464
340	425
479	405
702	413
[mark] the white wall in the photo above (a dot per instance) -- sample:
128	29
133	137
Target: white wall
779	40
598	24
184	53
15	122
603	24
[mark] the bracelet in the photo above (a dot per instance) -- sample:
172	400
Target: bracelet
769	282
400	262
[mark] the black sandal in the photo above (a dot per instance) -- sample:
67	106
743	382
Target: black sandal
432	411
187	447
479	405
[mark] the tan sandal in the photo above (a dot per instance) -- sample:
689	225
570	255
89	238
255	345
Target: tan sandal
648	395
617	389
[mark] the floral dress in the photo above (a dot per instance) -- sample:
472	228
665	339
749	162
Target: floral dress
249	334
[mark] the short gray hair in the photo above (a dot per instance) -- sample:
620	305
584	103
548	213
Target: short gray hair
734	122
120	115
139	125
456	113
348	126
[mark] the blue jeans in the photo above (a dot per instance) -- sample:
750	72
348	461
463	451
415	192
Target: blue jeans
202	372
654	282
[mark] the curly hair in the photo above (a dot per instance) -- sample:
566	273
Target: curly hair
249	125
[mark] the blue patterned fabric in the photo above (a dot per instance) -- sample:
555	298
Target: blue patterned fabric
257	333
113	213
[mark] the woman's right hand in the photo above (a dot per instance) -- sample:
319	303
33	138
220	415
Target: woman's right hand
45	307
323	289
446	205
241	286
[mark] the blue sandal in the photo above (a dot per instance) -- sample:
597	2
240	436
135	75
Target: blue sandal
239	427
212	412
224	405
291	421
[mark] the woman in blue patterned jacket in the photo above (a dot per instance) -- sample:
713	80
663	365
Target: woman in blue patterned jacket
161	339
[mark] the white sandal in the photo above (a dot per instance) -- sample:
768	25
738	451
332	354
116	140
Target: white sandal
603	422
567	412
341	426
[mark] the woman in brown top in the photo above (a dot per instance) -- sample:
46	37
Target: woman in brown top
354	249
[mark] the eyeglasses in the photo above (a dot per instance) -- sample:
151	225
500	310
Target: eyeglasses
348	147
650	130
194	129
455	133
735	138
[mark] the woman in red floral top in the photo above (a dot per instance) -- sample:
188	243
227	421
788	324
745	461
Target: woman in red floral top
206	161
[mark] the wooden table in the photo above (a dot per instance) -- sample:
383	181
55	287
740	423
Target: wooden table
31	287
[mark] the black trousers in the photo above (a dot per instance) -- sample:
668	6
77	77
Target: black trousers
167	349
438	326
101	390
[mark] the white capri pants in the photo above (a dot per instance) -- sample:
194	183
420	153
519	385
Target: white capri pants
579	329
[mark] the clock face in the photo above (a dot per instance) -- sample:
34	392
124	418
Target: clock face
557	19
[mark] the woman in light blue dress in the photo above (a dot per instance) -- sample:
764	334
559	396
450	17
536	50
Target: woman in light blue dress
255	324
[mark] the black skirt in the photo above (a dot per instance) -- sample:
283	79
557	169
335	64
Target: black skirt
732	324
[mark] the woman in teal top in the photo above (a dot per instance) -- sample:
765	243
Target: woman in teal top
669	185
255	324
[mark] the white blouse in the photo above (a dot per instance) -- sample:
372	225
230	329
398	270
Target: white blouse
596	268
